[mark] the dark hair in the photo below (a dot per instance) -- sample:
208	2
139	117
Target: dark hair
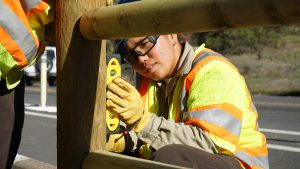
126	1
119	47
181	38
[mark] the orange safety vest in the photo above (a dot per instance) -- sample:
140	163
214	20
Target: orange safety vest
19	44
229	118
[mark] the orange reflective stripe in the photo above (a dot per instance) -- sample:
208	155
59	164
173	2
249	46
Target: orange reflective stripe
16	7
144	89
16	31
256	167
29	4
257	151
229	108
41	6
12	48
190	77
253	161
255	157
219	118
214	129
144	86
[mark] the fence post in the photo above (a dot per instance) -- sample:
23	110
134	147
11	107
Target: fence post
43	79
80	86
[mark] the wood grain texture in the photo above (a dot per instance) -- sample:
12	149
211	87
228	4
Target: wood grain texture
104	160
155	17
81	86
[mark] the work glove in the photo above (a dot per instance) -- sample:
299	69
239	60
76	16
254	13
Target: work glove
124	99
116	143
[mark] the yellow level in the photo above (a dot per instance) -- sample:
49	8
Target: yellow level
112	119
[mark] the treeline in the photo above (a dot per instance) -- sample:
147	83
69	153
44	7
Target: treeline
245	40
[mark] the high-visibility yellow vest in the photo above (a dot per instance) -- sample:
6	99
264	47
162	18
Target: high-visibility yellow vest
21	27
214	97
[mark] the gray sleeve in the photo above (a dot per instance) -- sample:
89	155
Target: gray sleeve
133	139
160	132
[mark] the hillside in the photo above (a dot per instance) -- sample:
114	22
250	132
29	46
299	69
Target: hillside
269	58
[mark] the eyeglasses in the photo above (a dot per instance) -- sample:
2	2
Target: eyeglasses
142	48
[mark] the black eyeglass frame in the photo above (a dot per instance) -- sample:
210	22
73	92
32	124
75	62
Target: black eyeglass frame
135	53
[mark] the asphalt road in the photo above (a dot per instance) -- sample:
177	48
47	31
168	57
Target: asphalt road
279	119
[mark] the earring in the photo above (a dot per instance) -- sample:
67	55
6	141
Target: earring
174	43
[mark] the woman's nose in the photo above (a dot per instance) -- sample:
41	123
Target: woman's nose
142	59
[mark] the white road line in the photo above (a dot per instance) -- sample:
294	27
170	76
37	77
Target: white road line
270	146
41	115
261	129
291	105
284	148
20	158
280	131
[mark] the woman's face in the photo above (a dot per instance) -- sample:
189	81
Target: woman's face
161	61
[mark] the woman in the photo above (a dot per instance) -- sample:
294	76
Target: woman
212	122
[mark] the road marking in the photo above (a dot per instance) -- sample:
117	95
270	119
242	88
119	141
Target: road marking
280	131
270	146
20	158
48	109
284	148
290	105
41	115
261	129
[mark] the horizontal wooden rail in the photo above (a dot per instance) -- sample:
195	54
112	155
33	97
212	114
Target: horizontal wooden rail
32	164
153	17
104	159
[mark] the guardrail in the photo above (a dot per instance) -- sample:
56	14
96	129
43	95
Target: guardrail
81	62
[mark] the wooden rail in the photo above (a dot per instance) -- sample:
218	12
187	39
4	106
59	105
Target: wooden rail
153	17
108	160
81	88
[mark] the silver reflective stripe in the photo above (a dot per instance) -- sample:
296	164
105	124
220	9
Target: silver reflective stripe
29	4
17	31
219	118
253	107
260	161
183	98
203	55
199	58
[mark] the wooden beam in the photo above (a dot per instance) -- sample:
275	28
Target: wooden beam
32	164
81	86
104	160
153	17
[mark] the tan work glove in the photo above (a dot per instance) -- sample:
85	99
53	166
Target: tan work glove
116	143
124	99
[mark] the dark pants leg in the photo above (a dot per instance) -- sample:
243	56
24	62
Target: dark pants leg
187	156
11	122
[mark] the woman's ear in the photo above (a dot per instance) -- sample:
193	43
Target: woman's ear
174	39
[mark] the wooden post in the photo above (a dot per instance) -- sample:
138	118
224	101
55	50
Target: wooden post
80	86
153	17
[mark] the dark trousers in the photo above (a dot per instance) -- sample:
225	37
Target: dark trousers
187	156
11	122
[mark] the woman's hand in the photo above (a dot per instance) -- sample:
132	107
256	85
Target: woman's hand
124	99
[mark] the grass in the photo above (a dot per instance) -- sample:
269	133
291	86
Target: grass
276	72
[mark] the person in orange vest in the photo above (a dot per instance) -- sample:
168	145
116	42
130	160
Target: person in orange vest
193	108
21	43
